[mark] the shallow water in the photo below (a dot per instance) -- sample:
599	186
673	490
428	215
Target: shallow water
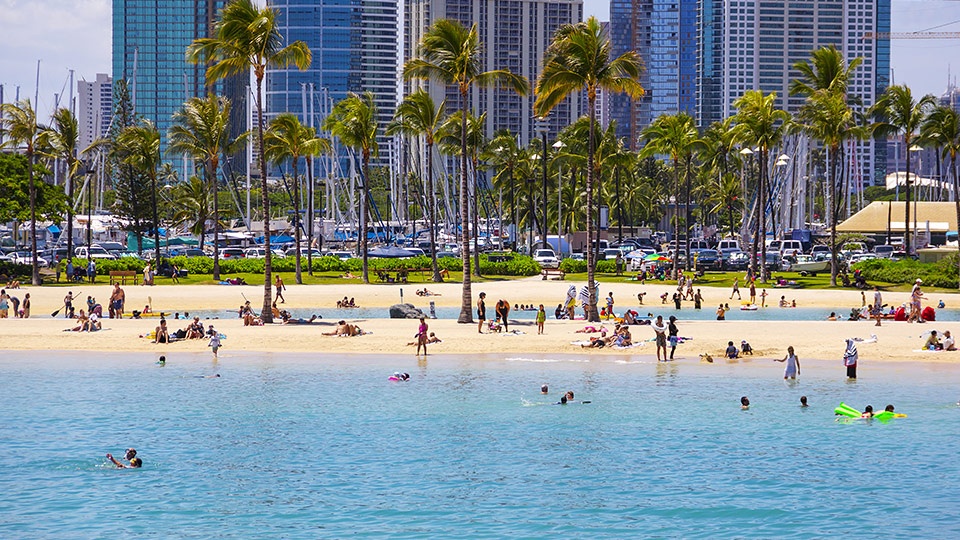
306	446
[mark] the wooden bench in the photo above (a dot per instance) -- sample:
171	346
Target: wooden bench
122	275
547	272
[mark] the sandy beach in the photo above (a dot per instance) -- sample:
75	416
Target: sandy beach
812	339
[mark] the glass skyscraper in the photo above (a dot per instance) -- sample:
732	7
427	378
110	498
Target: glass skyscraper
355	49
150	38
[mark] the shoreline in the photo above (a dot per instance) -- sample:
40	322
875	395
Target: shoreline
811	339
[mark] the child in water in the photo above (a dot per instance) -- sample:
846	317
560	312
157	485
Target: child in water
744	403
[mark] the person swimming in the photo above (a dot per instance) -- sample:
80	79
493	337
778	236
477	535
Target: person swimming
544	389
162	361
867	412
803	401
744	403
131	456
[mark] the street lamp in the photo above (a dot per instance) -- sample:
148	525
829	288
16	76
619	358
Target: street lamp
559	146
542	129
916	193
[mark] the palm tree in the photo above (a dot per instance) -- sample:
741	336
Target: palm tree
20	122
725	194
418	116
942	127
451	54
827	71
676	136
192	200
898	113
449	139
579	59
201	129
287	139
61	141
141	147
505	155
353	120
827	117
247	37
760	124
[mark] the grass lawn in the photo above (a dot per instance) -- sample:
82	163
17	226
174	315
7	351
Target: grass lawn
318	278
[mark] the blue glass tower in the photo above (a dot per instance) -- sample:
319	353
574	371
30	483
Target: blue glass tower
150	38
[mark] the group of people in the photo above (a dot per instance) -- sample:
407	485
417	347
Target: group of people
345	303
502	314
20	309
78	274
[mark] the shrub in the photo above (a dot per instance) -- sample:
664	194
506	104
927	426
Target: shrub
573	266
12	269
939	274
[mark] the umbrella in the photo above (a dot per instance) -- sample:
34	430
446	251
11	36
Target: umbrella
656	257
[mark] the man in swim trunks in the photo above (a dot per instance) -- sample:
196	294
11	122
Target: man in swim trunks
481	311
660	328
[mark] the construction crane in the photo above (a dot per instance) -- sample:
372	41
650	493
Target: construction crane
911	35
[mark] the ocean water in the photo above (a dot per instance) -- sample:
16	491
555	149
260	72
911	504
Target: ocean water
313	446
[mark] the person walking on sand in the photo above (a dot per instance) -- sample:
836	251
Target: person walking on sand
481	311
422	336
736	289
721	313
697	300
877	310
280	288
660	328
793	364
68	304
763	298
26	307
541	318
753	291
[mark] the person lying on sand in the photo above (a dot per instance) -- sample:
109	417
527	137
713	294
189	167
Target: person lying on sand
345	329
432	339
591	330
290	320
348	275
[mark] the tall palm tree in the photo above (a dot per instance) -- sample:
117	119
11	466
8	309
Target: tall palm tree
141	146
826	71
247	38
61	141
449	139
760	124
20	122
942	127
192	201
418	116
451	54
288	139
579	59
897	113
504	156
827	118
201	130
725	194
353	120
675	136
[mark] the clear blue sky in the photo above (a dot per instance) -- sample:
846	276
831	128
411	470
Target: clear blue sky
76	35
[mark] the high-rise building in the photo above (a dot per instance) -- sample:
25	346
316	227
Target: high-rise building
664	34
355	48
515	35
95	108
150	38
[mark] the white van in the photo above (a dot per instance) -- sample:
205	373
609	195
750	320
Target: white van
790	247
728	244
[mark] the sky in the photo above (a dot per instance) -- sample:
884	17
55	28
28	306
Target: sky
76	34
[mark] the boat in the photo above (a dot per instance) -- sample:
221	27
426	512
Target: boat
807	265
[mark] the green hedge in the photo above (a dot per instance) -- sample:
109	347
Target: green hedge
939	274
12	269
579	266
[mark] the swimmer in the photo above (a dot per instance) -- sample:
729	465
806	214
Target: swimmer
744	403
563	400
888	408
162	361
544	389
867	412
803	401
217	376
131	455
569	395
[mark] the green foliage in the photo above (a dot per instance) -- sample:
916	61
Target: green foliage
15	202
108	265
939	274
11	269
573	266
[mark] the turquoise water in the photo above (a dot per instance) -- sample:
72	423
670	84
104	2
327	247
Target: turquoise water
311	446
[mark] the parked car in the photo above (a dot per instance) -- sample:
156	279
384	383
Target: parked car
731	259
292	252
187	252
727	243
546	258
884	251
114	247
446	255
609	254
231	253
342	255
416	252
95	252
26	257
817	250
709	259
791	247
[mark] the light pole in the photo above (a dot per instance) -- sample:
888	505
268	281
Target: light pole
782	161
559	146
916	195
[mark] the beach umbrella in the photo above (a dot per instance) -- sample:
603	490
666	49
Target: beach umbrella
656	257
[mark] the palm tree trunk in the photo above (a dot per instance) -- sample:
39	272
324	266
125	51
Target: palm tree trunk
296	218
686	208
156	219
432	215
834	266
906	219
763	215
70	180
466	298
266	313
956	199
592	314
35	274
310	215
364	194
476	217
676	220
212	175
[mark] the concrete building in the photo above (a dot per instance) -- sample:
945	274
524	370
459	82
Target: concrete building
94	108
150	38
515	36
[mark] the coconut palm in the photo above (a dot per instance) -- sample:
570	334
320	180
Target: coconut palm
579	59
353	120
288	139
725	194
504	156
450	144
827	118
942	127
760	124
192	201
201	130
898	114
451	54
61	141
20	122
826	71
247	38
418	116
141	150
675	136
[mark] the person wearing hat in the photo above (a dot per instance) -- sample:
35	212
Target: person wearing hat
131	456
915	296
